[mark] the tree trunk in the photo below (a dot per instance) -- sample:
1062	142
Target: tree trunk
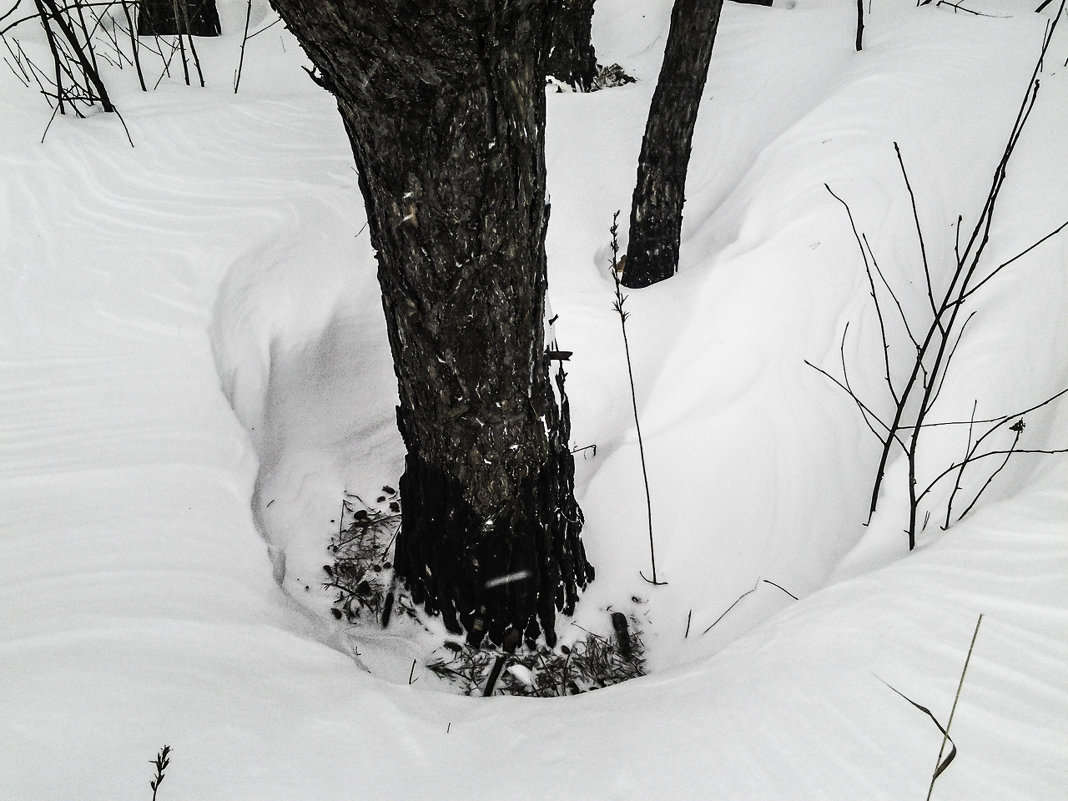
169	17
572	59
656	211
444	104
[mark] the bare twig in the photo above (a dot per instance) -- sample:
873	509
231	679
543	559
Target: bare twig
738	600
944	372
865	409
958	7
1018	429
960	473
1020	255
266	27
980	456
874	295
49	125
890	291
756	586
244	41
11	11
780	587
919	231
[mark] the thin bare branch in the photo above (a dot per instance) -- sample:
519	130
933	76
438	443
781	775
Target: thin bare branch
960	473
893	295
949	359
986	455
1018	429
919	233
738	600
863	407
11	11
1019	255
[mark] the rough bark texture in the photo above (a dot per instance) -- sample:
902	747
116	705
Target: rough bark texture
572	59
659	195
168	18
444	105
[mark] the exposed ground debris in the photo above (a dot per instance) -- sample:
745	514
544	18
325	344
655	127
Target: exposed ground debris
588	664
362	571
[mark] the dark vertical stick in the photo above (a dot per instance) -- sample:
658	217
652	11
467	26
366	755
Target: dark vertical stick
86	34
50	120
622	630
964	463
184	8
244	40
860	25
181	44
511	642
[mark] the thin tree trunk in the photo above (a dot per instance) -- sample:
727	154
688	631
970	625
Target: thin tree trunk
572	59
159	18
444	105
656	211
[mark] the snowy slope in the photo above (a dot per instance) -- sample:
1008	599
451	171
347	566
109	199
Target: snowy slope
193	369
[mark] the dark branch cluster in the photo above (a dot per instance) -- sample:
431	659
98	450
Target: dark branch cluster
935	338
84	37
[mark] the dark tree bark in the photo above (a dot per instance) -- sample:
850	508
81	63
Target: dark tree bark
171	17
444	105
572	59
656	211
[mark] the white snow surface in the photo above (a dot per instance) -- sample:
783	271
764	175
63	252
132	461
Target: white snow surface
193	369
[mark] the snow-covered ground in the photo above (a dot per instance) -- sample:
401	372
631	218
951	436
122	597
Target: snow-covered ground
193	369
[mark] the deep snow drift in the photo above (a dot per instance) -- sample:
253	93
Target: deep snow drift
193	369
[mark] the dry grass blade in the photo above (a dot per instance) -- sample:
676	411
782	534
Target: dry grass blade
940	764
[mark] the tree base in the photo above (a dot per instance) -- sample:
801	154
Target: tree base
489	576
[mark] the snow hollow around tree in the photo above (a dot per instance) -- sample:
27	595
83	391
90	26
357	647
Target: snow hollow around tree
194	375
